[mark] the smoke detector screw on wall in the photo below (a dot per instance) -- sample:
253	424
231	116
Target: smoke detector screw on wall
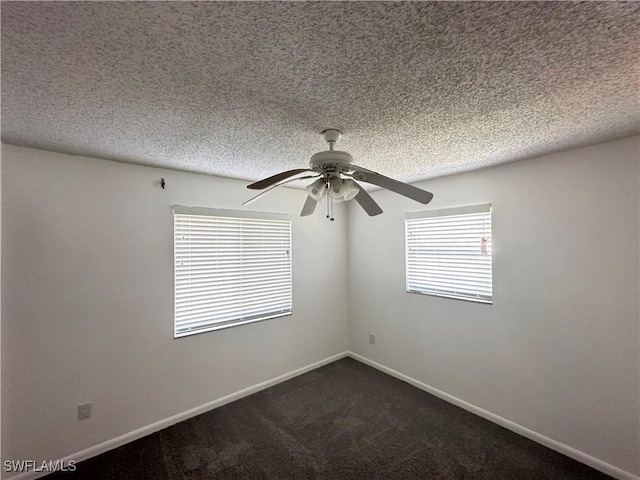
335	181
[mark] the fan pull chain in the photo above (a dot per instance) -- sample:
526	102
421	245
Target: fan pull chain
329	204
330	208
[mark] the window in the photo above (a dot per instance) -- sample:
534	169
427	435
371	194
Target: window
448	253
230	268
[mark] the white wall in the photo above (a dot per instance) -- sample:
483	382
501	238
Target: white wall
87	311
87	300
558	351
1	457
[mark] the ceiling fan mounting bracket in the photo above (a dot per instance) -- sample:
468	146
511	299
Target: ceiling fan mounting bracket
331	135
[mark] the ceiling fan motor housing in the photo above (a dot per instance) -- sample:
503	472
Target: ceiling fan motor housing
330	158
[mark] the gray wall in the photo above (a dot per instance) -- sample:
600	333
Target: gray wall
87	311
557	352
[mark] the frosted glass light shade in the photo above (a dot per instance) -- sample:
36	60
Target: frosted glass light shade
317	190
342	190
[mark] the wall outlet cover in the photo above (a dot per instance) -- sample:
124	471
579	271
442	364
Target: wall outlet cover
84	411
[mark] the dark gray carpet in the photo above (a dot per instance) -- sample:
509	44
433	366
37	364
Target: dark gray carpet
344	420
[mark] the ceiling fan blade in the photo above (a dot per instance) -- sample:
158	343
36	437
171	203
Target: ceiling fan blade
366	202
308	207
252	199
409	191
267	182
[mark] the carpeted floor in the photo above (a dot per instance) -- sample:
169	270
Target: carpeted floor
344	420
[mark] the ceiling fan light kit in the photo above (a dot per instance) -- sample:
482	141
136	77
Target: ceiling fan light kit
336	177
342	189
317	190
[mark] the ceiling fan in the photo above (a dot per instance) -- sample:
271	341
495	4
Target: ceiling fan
337	181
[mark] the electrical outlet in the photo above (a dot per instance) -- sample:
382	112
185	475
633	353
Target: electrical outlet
372	338
84	411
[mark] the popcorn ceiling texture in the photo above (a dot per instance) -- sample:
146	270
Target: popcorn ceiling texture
242	89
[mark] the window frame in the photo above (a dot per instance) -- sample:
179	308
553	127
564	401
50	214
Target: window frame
485	208
286	219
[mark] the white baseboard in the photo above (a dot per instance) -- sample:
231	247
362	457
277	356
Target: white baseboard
571	452
167	422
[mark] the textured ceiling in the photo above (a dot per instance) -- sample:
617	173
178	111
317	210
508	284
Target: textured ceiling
242	89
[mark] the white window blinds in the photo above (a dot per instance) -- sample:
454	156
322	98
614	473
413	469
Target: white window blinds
230	268
448	253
